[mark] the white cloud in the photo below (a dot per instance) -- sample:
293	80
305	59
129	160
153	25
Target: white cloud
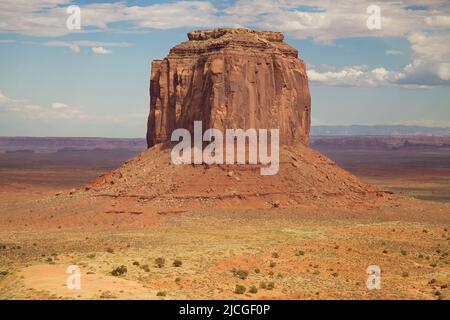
59	105
76	46
438	21
100	50
48	17
357	76
326	20
60	111
29	110
430	66
322	20
393	52
431	60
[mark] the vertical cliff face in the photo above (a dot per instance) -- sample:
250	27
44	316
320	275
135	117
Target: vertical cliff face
230	78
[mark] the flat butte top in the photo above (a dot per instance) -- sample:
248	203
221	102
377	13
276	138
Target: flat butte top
234	39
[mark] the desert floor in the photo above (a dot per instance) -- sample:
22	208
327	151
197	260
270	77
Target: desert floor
301	253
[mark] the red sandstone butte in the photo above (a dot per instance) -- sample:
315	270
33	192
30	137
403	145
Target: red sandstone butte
229	79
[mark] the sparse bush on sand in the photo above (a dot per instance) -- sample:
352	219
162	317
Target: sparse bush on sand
161	294
177	263
117	272
241	274
239	289
253	289
160	262
267	285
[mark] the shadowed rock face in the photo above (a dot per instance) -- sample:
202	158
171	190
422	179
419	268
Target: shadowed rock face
230	78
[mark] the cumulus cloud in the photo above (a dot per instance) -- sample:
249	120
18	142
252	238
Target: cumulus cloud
357	76
100	50
26	109
431	60
393	52
76	46
59	105
48	17
430	66
326	20
322	20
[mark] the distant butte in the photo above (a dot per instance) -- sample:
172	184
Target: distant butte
230	79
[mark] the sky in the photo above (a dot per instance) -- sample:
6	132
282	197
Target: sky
57	81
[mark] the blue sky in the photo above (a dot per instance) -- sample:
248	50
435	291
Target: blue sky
94	82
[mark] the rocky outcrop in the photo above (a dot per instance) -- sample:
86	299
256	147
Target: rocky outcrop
230	78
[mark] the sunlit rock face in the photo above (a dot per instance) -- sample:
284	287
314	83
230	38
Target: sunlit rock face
230	79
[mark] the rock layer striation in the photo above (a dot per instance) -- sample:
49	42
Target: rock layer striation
230	79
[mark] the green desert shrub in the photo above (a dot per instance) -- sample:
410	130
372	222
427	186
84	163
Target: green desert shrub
117	272
267	285
253	289
177	263
160	262
241	274
299	253
239	289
